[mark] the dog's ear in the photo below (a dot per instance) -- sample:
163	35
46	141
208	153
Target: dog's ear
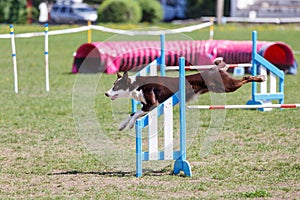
218	60
125	74
119	75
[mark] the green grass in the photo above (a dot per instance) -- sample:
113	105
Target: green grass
54	145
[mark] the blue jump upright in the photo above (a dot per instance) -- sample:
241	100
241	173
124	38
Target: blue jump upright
168	154
181	164
276	91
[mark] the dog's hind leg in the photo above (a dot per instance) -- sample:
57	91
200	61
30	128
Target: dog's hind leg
232	84
259	78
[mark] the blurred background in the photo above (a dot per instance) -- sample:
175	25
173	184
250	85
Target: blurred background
134	11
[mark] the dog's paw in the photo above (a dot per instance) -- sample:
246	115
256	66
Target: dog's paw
121	127
131	124
262	77
125	123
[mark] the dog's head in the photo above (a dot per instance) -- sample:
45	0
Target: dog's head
219	62
121	87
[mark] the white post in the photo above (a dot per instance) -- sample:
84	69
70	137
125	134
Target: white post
14	56
273	83
46	59
220	11
168	129
153	135
263	85
211	29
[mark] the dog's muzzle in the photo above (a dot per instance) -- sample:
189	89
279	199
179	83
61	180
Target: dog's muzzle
111	97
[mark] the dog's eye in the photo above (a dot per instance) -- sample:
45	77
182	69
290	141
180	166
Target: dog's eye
116	87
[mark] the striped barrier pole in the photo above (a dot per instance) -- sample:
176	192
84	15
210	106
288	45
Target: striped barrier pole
47	59
14	57
206	67
222	107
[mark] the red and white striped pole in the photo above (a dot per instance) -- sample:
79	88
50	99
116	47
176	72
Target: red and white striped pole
205	67
221	107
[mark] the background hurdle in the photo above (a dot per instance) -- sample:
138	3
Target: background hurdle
151	120
14	56
274	93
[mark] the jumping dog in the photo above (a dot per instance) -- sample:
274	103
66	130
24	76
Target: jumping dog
153	90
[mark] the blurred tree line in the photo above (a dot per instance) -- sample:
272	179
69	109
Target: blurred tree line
195	8
17	11
13	11
199	8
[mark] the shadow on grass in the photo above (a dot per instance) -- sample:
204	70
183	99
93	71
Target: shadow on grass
68	73
113	173
107	173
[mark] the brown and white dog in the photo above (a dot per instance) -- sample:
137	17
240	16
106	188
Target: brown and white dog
153	90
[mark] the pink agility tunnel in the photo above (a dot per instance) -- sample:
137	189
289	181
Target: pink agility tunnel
111	57
278	53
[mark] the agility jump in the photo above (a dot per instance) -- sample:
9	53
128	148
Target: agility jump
165	108
155	92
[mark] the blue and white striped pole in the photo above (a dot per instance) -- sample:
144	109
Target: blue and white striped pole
14	57
182	164
47	59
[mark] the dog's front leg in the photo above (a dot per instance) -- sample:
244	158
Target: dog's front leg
125	122
135	117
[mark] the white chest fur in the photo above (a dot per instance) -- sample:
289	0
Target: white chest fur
138	95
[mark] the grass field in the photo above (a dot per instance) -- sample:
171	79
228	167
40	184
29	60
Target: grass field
52	145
